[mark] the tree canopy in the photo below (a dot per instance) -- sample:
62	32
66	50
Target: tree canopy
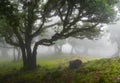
24	22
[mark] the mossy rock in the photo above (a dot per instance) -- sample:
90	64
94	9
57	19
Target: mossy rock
74	64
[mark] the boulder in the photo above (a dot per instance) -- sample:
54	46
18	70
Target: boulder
75	64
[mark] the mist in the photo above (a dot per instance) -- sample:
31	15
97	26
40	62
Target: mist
102	47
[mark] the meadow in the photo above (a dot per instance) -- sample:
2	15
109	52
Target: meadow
54	69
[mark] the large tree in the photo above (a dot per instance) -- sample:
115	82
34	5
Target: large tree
25	22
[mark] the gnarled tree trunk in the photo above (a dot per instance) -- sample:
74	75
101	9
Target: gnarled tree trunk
29	59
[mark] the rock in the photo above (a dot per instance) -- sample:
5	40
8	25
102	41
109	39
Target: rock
75	64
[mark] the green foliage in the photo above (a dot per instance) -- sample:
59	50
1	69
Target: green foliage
24	15
97	71
3	26
103	9
91	32
21	27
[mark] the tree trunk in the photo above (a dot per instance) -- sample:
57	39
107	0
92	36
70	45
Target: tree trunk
72	50
19	54
14	57
117	53
29	59
58	49
4	52
29	63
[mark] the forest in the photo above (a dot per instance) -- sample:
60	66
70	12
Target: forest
59	41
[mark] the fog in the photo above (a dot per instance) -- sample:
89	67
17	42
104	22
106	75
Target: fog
106	46
102	47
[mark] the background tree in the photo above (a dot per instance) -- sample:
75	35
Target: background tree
58	46
92	34
115	37
3	48
114	30
24	21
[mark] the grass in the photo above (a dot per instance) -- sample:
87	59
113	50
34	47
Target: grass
61	60
94	70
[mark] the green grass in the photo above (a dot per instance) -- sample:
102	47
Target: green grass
53	61
102	71
61	60
95	71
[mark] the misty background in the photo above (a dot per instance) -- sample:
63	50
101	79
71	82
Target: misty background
105	46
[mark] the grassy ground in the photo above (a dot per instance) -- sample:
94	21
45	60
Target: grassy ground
54	70
61	60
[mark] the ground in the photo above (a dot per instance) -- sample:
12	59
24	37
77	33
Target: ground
54	69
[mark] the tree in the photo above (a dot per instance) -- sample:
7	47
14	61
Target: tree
114	31
4	48
115	37
24	22
58	46
16	56
91	34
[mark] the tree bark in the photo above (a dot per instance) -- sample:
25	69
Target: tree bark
14	57
19	54
29	58
29	63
